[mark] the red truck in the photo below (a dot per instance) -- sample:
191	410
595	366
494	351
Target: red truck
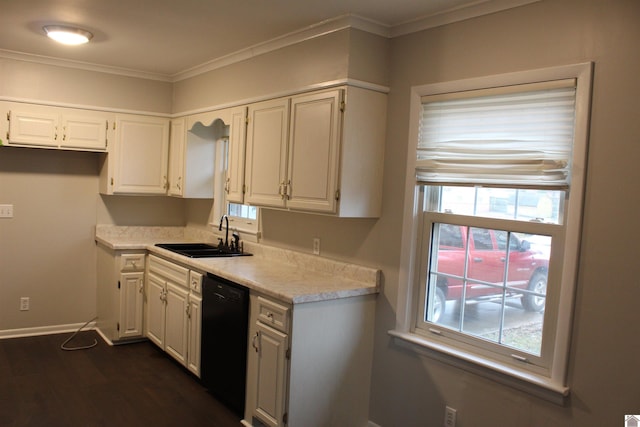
486	261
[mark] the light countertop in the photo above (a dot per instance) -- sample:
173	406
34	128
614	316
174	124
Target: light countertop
289	276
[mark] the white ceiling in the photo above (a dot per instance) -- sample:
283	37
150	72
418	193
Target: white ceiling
164	38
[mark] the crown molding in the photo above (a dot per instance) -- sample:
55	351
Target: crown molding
79	65
313	31
478	8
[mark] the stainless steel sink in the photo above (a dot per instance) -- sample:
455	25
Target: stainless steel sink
201	250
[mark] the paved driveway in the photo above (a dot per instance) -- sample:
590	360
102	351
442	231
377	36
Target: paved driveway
521	329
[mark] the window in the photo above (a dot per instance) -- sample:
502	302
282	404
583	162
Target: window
493	211
245	219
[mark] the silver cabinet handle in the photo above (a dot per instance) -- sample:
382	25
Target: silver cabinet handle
253	341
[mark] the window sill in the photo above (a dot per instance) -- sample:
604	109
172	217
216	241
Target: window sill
537	385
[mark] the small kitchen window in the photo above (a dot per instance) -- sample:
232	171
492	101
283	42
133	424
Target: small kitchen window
493	214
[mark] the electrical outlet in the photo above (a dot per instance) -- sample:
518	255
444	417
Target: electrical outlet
6	211
316	246
24	303
449	417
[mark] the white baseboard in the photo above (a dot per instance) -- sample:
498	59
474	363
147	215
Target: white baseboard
104	337
45	330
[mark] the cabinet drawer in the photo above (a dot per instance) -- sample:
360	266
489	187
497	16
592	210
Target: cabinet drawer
132	262
169	270
273	314
195	281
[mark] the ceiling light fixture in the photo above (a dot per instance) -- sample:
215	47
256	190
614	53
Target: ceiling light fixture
67	35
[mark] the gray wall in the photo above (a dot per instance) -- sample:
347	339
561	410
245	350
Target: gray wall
47	251
410	390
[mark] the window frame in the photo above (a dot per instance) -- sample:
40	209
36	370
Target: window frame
550	382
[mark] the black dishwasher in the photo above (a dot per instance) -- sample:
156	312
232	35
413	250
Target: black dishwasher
225	319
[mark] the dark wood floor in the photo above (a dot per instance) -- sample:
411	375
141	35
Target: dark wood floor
126	385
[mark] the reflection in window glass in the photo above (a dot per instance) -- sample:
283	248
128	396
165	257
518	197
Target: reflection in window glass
243	211
488	283
507	203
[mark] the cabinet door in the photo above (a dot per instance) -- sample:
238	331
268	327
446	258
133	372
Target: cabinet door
141	152
176	157
195	328
33	128
131	289
314	146
270	398
84	132
176	328
155	310
267	135
236	156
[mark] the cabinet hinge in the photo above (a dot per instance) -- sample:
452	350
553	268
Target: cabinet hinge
287	354
246	120
338	195
285	417
343	105
118	326
9	115
118	284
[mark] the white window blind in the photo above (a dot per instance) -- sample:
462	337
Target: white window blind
518	135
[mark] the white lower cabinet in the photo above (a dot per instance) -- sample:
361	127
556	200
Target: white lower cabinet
176	322
195	331
268	361
308	365
173	311
120	294
271	374
156	313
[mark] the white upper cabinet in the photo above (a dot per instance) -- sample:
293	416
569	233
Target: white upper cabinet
53	127
266	161
234	182
33	128
176	157
312	169
192	154
319	152
139	159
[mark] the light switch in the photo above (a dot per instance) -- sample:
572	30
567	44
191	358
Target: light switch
6	211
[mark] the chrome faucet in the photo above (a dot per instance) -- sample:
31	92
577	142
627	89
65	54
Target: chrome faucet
226	236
